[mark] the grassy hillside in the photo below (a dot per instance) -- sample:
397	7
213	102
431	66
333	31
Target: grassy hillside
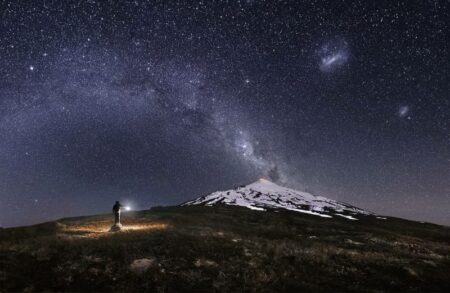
225	249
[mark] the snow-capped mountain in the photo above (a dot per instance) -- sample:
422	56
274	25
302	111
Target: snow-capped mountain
264	194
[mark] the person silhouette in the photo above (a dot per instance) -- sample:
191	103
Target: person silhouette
117	207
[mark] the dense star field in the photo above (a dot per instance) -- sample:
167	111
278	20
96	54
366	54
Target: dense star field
158	102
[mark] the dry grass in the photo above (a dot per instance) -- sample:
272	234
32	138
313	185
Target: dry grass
225	249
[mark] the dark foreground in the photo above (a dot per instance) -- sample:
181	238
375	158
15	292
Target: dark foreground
226	249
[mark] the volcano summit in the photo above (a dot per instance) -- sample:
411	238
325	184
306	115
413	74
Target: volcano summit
264	194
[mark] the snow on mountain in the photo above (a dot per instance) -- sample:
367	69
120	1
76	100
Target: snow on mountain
264	194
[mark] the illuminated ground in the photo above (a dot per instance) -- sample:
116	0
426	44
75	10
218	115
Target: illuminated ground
98	227
225	249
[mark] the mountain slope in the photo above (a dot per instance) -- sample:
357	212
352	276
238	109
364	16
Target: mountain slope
264	194
224	248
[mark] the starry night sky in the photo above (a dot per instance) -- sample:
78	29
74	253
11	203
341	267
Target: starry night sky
158	102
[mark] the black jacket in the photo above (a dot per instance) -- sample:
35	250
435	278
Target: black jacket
116	208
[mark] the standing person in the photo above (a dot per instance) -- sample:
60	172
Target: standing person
116	211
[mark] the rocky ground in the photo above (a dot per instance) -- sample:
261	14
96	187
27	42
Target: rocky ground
225	249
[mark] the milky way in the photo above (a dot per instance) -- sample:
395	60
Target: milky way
157	102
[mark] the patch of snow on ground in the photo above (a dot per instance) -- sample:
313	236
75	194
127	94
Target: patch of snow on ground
255	208
347	217
309	212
